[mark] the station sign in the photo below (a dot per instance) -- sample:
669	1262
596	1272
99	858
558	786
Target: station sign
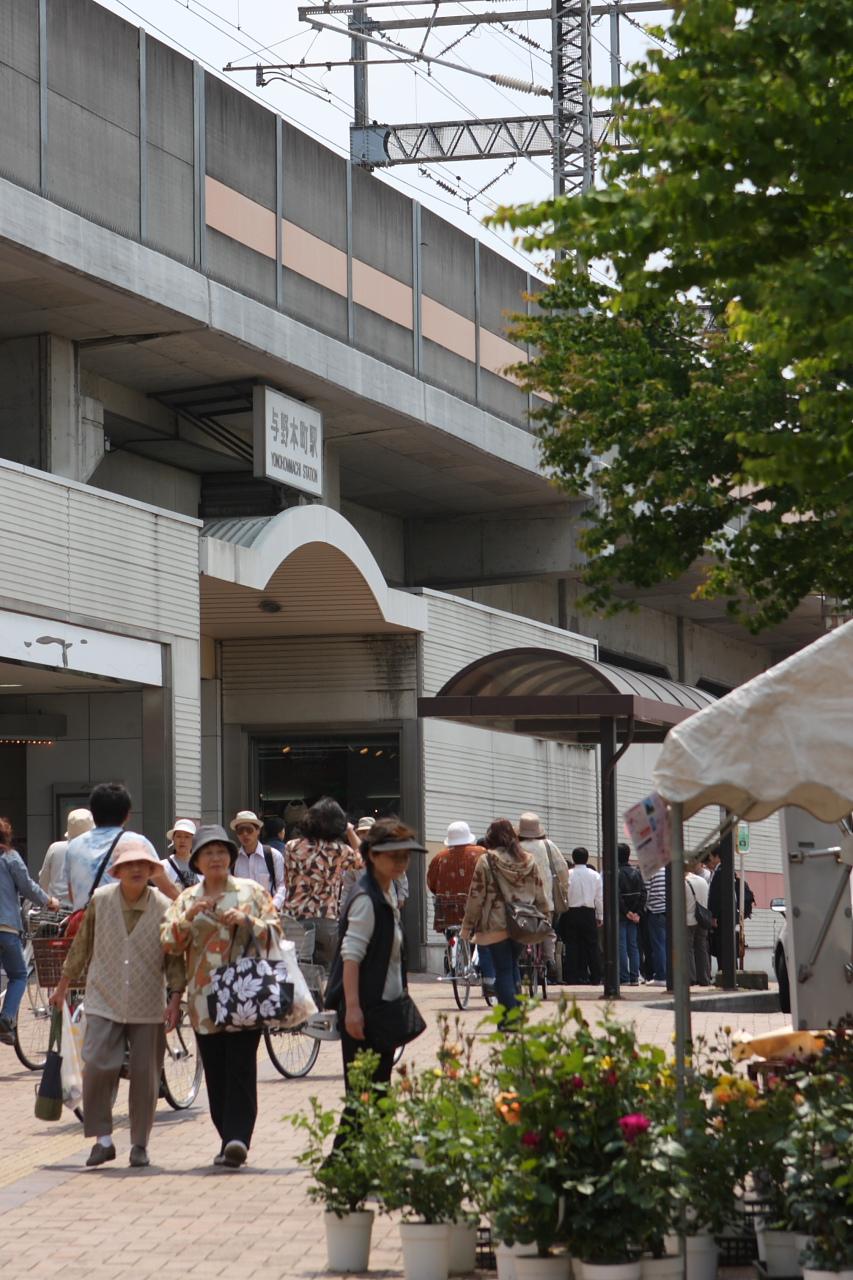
288	441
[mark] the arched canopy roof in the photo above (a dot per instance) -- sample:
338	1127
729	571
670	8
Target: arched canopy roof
304	571
556	695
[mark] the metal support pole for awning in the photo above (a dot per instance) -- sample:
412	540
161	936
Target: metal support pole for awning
680	963
726	923
609	840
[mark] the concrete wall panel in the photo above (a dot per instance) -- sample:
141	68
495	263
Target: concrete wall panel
19	36
447	264
93	61
314	304
170	100
93	165
503	397
382	226
148	481
170	204
315	188
240	140
390	341
448	370
501	287
19	135
237	265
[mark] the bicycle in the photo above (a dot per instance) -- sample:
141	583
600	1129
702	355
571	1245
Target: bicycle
534	969
293	1052
460	966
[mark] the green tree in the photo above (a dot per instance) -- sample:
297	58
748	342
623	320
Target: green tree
729	444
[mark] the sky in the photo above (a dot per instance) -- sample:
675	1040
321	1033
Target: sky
218	32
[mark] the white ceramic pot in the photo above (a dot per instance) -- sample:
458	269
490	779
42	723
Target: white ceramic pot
462	1249
611	1271
810	1274
781	1253
506	1255
348	1240
702	1255
426	1250
557	1266
760	1246
666	1268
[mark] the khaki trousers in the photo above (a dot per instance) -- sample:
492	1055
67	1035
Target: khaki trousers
104	1046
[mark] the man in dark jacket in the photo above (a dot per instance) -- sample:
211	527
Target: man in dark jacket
632	904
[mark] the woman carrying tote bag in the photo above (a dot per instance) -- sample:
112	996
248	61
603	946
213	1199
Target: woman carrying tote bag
211	921
505	873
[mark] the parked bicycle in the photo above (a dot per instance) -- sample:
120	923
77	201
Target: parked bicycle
461	961
534	969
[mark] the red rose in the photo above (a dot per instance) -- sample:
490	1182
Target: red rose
610	1077
577	1082
633	1125
560	1135
531	1139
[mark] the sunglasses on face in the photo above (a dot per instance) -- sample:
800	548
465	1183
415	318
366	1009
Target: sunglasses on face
245	831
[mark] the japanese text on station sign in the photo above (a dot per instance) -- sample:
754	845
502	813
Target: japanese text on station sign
288	441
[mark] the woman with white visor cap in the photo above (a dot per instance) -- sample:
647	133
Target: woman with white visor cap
176	862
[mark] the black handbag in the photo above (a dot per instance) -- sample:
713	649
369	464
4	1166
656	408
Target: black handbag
49	1093
704	919
392	1023
250	993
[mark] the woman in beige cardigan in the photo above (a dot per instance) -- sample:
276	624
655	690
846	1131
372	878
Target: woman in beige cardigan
504	871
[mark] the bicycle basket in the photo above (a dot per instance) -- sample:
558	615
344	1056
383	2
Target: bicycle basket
50	955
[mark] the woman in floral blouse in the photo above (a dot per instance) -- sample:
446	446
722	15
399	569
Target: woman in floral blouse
315	866
210	923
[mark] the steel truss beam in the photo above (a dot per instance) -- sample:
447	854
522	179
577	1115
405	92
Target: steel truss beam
383	145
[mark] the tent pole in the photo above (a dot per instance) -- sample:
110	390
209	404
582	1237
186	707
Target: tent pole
680	963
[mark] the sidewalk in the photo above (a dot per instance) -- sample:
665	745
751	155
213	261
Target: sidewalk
182	1217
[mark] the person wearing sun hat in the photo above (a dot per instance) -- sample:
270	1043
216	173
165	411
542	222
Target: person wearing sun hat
450	873
52	874
118	948
176	863
210	922
256	860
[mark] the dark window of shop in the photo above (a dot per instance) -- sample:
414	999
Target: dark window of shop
360	771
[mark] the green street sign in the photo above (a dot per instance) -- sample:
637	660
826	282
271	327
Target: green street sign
743	837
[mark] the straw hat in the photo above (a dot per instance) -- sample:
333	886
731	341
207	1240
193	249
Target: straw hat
245	818
364	825
79	820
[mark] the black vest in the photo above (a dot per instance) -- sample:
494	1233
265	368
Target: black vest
373	969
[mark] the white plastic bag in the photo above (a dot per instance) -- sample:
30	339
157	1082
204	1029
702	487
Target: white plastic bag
304	1004
73	1030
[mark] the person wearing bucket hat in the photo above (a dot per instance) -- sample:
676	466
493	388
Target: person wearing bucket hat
256	860
450	873
52	874
127	1011
554	871
213	920
176	864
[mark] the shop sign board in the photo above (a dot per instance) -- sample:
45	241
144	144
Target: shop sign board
44	642
288	441
743	837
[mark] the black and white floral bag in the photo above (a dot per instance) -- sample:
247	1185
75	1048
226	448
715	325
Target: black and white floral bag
260	990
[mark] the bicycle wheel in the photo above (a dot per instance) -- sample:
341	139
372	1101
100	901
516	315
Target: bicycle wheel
32	1032
292	1053
182	1069
528	971
461	974
542	972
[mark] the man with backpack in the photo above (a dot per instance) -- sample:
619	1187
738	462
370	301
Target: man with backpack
257	861
632	904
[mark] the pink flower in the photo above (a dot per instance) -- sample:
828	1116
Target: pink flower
531	1139
560	1135
633	1125
577	1082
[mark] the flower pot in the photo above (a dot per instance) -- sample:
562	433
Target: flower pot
666	1268
610	1270
348	1240
506	1256
426	1250
781	1253
702	1255
462	1248
810	1274
802	1243
556	1266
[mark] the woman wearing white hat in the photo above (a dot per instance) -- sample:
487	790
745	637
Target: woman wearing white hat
177	860
52	874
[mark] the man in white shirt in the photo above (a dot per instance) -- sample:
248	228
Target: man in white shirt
580	924
257	861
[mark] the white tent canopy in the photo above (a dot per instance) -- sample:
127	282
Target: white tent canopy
784	738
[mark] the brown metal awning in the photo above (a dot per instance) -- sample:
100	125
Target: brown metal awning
545	694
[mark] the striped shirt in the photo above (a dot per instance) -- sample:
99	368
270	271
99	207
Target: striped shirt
656	892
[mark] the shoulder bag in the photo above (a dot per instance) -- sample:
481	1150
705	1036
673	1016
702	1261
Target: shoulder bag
704	919
392	1023
524	921
72	924
251	992
559	889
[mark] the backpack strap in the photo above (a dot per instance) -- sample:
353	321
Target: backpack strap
270	861
184	879
102	866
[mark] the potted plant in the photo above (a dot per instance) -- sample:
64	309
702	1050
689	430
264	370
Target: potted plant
344	1176
818	1156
